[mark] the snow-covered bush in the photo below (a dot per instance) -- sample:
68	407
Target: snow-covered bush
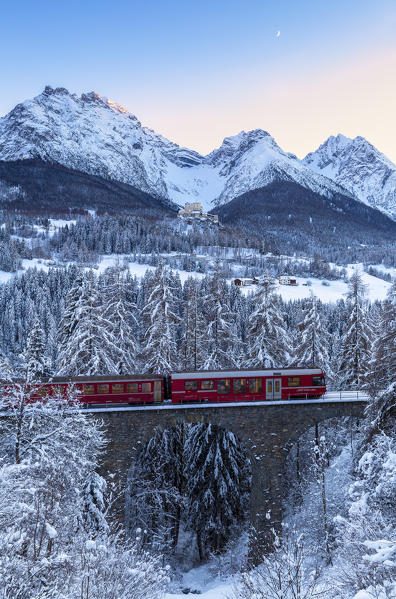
54	538
365	564
287	573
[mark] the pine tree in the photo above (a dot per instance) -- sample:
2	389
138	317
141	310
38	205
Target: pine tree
159	341
35	354
120	313
193	327
268	342
94	508
72	304
5	368
312	339
90	347
221	344
383	356
356	340
218	483
156	488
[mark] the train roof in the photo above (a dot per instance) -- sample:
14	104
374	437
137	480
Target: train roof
103	378
213	374
89	379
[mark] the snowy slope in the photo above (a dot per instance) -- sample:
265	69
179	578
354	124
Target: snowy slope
377	289
359	167
96	136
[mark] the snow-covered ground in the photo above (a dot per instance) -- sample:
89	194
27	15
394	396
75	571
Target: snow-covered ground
332	291
219	590
377	289
203	582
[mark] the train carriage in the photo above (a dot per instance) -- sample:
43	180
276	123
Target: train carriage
102	390
247	385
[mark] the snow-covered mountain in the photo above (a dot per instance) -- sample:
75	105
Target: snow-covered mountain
96	136
359	167
253	160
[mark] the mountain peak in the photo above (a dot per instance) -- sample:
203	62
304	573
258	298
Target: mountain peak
360	168
55	91
236	145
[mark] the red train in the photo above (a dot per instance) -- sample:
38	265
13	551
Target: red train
192	387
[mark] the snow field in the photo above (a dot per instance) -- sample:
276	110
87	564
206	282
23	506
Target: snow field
377	289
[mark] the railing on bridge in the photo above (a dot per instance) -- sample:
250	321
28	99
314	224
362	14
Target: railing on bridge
345	395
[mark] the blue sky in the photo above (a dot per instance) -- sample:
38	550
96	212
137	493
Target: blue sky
197	72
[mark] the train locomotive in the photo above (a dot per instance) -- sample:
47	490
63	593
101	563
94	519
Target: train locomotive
189	387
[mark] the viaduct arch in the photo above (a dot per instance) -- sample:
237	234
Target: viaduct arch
266	429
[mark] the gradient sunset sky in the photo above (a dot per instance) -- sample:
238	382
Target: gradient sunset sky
197	72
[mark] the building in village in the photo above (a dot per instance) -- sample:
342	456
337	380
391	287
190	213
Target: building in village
195	211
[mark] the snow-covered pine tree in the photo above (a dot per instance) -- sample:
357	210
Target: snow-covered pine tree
160	313
356	340
120	313
72	304
52	343
383	355
268	342
90	347
155	489
312	341
218	482
221	344
93	514
35	354
191	353
5	368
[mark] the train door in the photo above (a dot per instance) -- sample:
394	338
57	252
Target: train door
157	392
273	389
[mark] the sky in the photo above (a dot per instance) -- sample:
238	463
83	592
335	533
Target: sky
197	72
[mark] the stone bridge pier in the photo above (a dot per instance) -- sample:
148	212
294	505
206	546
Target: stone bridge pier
267	431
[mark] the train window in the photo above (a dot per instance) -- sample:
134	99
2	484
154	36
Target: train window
42	391
293	381
207	385
117	388
223	386
255	385
239	385
318	381
132	388
190	385
88	389
146	387
104	388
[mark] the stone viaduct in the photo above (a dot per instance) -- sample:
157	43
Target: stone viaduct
266	429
